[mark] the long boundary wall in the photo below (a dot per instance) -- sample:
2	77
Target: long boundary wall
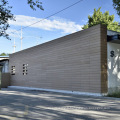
76	62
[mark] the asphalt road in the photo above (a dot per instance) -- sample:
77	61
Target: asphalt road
40	105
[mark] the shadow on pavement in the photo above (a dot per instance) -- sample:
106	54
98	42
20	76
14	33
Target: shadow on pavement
40	105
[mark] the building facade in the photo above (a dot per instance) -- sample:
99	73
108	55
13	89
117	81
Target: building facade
4	71
4	62
113	61
74	63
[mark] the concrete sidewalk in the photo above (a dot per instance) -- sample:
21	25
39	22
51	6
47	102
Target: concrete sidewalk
40	105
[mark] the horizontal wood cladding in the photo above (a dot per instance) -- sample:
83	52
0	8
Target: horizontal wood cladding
72	63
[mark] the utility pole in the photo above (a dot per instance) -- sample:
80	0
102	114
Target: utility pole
21	38
37	40
14	46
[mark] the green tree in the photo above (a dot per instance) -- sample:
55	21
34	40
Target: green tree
6	15
102	18
3	54
116	4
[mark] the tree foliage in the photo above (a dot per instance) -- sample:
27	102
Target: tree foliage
6	15
116	4
3	54
35	3
102	18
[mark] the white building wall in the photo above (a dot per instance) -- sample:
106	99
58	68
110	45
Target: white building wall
113	67
5	68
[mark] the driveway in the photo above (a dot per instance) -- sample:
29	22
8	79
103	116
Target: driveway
41	105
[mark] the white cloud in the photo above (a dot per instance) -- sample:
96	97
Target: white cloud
66	26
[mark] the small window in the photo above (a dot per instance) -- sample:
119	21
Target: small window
25	71
12	70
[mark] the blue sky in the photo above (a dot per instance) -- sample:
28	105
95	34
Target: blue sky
66	22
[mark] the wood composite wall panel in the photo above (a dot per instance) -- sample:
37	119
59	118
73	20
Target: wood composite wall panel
76	62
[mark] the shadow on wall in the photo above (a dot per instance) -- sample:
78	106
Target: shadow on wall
113	67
